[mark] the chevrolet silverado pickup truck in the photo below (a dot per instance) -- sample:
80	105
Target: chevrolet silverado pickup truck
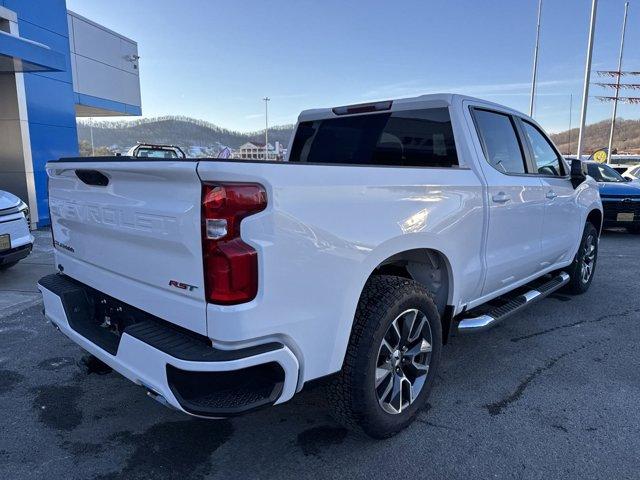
222	286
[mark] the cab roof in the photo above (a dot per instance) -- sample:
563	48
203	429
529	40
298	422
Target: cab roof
432	100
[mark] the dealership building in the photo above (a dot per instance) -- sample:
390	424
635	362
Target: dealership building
55	66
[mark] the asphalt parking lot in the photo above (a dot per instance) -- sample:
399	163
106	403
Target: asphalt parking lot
552	393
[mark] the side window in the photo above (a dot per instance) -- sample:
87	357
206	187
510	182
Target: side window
420	138
500	142
546	158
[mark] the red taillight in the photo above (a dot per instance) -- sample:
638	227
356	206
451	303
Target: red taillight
230	265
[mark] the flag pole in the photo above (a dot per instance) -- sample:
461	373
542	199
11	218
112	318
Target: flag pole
535	62
587	76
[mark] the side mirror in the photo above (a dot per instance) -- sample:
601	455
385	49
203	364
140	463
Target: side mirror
578	172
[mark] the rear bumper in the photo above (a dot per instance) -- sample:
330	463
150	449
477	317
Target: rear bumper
176	368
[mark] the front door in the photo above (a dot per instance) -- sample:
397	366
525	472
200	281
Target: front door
562	224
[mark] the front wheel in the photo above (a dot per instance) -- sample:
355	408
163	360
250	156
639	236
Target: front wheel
583	266
391	359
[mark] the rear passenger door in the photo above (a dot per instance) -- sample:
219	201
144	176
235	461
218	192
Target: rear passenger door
562	224
516	202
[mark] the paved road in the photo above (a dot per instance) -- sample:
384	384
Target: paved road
554	393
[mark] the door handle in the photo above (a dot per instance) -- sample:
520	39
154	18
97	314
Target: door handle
501	197
551	195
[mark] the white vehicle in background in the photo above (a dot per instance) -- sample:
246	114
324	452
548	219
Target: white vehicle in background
152	150
16	240
224	286
630	171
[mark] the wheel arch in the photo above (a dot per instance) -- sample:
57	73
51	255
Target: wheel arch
595	217
429	267
393	258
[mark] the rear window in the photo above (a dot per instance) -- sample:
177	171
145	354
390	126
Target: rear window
156	153
414	138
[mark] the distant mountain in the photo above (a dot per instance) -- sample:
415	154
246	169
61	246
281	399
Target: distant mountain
197	137
596	135
200	138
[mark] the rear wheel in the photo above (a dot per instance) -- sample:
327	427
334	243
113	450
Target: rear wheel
391	359
584	264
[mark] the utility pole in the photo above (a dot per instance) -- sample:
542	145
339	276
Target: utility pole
587	76
266	127
615	101
535	62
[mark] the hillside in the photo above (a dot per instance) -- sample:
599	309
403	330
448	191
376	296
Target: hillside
626	139
197	136
201	138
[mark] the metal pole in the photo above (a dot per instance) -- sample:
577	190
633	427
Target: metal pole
535	62
570	115
615	100
266	128
587	75
93	153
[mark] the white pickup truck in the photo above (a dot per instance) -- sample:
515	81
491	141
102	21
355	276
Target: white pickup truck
225	286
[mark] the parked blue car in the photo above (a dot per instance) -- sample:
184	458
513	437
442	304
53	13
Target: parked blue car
620	197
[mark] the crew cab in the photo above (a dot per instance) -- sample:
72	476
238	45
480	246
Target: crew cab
222	286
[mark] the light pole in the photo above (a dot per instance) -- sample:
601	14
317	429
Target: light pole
266	127
91	132
587	76
535	62
615	100
570	115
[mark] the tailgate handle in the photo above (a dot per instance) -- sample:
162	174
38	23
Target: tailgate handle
93	177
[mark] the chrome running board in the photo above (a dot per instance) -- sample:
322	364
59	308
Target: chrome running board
498	314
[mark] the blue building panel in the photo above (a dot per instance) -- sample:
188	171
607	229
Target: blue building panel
104	104
59	44
32	56
50	102
41	182
49	142
49	14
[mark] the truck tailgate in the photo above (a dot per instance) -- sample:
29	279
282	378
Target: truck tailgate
131	229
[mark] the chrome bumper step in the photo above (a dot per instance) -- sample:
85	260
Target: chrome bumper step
498	314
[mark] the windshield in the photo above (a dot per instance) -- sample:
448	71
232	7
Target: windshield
604	173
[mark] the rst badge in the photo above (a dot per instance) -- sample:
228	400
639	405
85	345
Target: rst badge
182	286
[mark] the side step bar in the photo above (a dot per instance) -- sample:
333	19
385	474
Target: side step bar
495	316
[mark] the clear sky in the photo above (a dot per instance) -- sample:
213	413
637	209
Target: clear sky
216	59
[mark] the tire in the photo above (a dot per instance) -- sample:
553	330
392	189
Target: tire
4	266
580	282
387	302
